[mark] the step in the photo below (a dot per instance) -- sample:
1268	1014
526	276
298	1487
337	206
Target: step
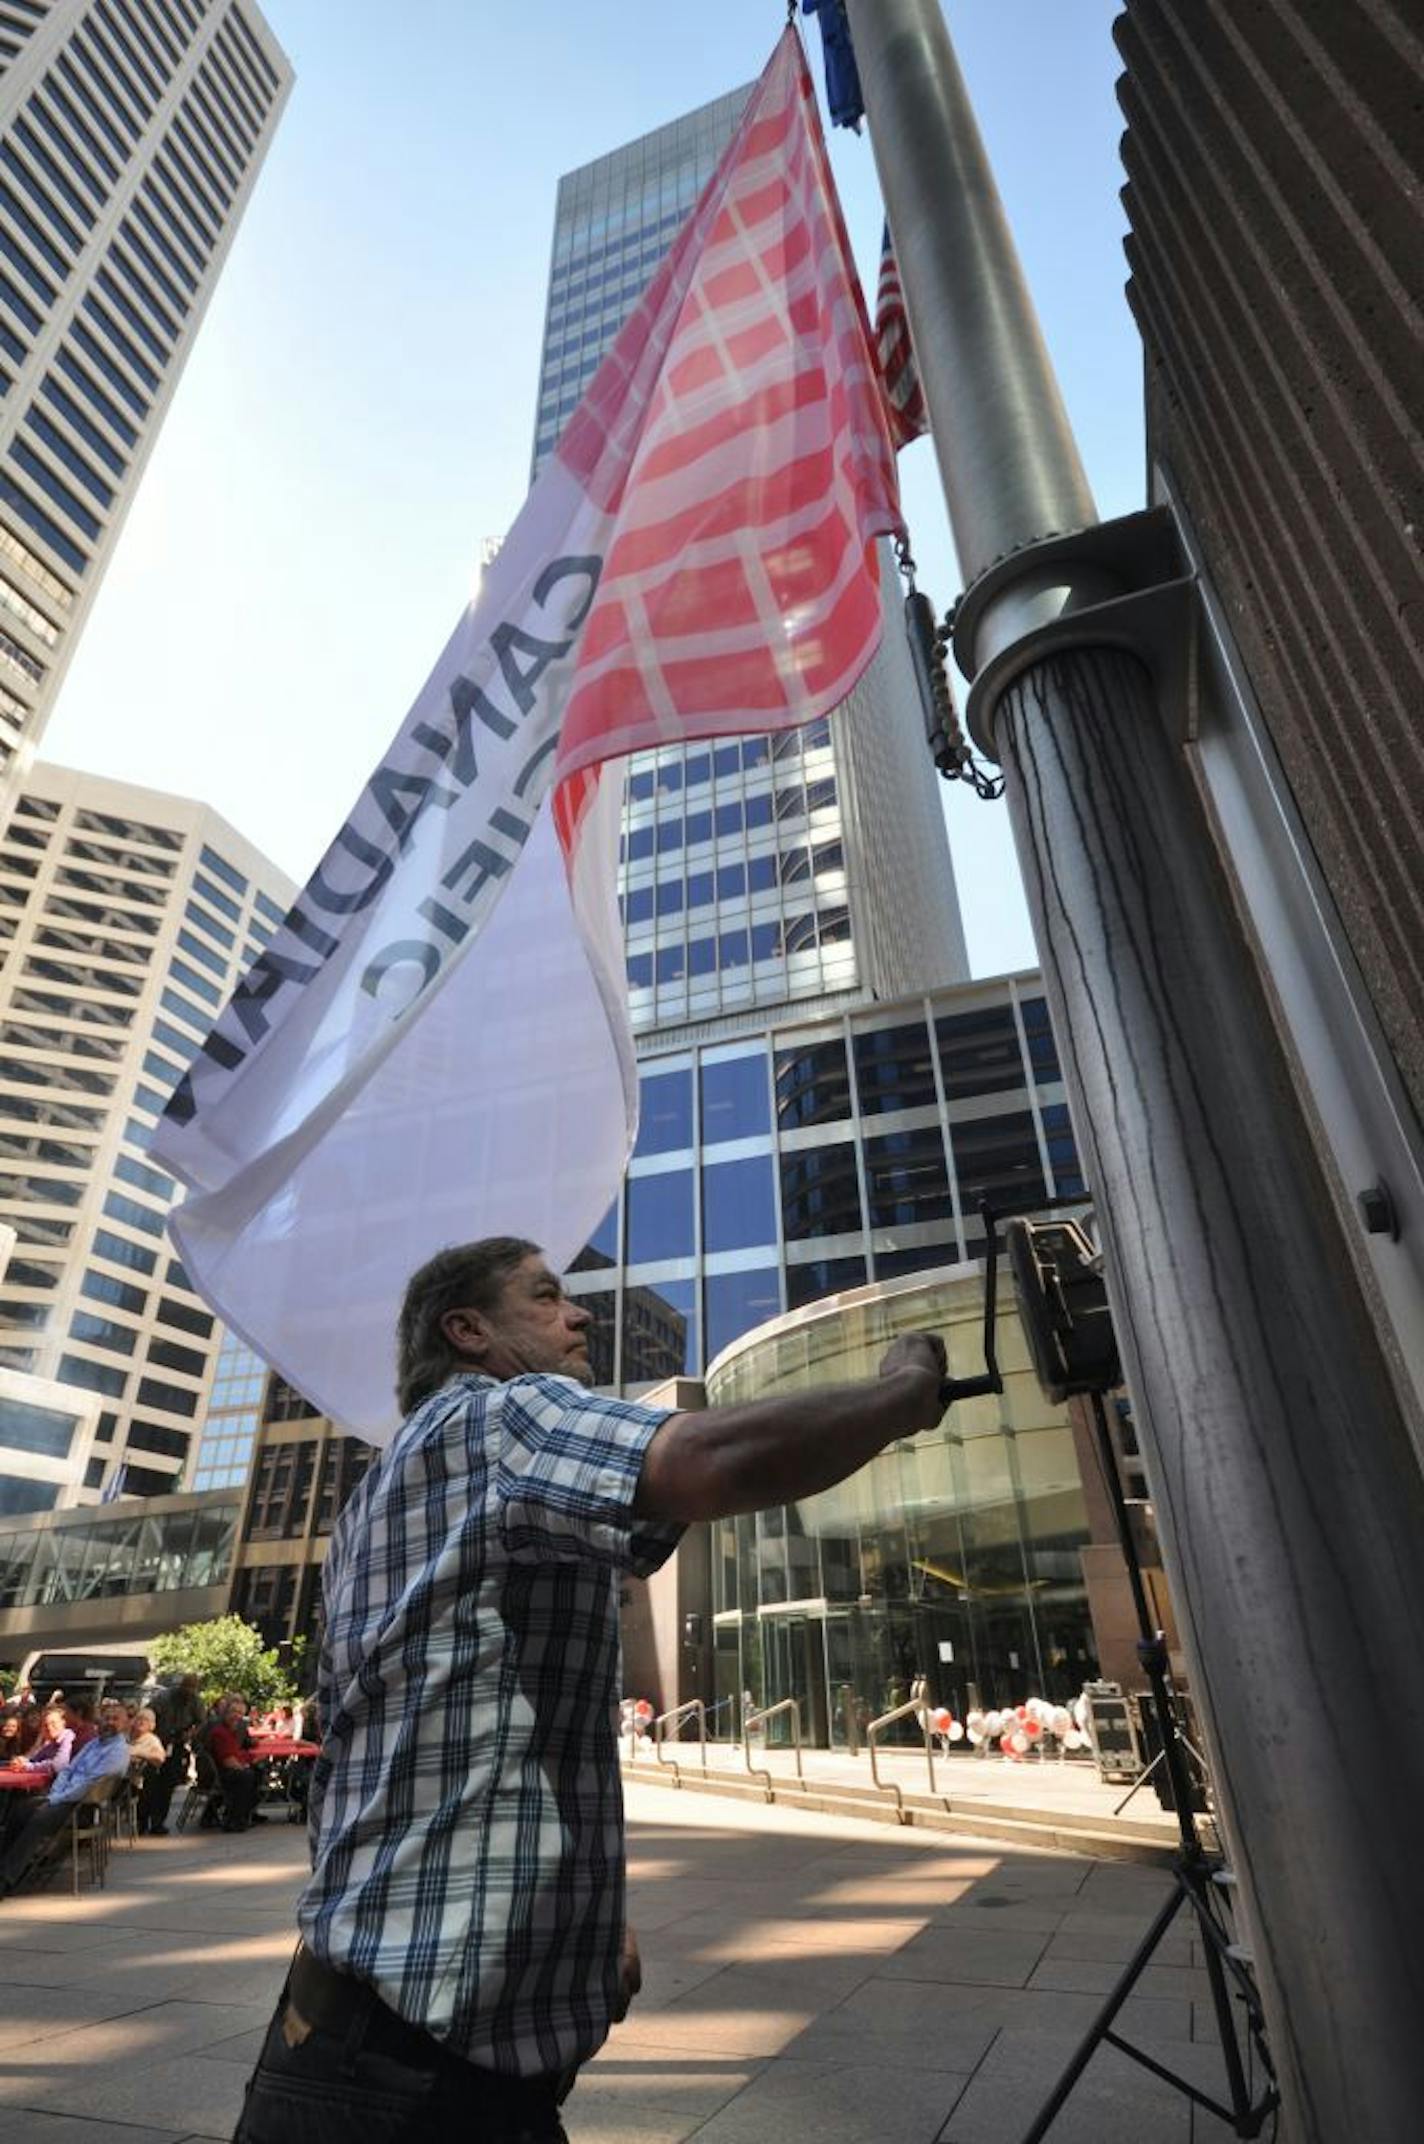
1044	1830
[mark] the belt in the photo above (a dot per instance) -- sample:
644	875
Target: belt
322	1997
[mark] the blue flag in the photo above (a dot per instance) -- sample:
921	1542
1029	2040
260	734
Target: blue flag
847	106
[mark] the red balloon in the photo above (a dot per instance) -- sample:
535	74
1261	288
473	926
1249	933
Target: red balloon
1021	1712
643	1710
940	1720
1033	1728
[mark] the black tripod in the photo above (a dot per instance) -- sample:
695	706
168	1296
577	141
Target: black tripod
1199	1884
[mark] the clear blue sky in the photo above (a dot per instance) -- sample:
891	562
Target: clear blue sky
358	410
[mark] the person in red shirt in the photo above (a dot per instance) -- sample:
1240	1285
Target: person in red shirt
240	1783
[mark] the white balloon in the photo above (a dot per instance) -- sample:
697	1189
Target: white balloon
974	1719
1062	1721
976	1736
1080	1712
956	1731
1018	1742
993	1722
1073	1739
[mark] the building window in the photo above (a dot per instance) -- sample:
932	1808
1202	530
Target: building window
996	1158
979	1052
281	1491
43	1430
822	1276
286	1404
735	1103
738	1204
894	1069
907	1180
664	1113
659	1332
820	1192
812	1085
660	1218
344	1464
738	1301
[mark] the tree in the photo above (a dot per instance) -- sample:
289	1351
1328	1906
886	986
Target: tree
225	1654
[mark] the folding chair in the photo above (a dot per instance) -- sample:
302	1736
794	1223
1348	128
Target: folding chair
205	1790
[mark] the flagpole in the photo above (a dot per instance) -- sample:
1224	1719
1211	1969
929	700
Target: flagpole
1288	1496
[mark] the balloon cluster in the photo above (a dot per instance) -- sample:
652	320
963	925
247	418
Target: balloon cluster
634	1717
1018	1729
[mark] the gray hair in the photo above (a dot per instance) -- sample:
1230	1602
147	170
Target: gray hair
466	1276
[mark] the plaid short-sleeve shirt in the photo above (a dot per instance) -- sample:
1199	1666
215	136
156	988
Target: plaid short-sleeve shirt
466	1810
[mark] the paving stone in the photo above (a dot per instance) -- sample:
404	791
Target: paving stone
1115	1942
32	2015
1115	2102
817	2103
1002	1958
25	2125
673	2080
1098	1976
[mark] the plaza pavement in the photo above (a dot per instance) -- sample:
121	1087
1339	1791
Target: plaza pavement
807	1977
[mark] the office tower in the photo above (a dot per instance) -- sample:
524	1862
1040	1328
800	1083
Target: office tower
131	134
808	866
127	917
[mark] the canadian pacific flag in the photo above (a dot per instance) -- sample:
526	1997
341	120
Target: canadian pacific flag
435	1046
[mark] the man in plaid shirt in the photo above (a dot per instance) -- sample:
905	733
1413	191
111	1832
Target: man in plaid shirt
464	1946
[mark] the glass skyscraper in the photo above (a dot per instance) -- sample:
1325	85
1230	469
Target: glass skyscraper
131	134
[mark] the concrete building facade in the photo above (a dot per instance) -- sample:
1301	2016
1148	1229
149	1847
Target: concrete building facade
126	918
131	135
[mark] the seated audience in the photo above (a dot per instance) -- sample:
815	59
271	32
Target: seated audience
79	1712
107	1753
178	1708
239	1782
56	1744
143	1742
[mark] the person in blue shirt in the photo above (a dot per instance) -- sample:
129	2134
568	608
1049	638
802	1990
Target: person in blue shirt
106	1755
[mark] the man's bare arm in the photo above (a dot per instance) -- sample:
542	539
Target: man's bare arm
772	1451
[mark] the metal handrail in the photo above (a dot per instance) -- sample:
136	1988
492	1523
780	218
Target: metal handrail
918	1705
759	1719
680	1713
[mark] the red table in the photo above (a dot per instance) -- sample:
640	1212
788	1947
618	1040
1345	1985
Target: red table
265	1746
26	1780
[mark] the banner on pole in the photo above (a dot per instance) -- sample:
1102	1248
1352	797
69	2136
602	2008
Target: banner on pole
435	1045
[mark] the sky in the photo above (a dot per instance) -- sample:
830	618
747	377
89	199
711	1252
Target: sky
357	412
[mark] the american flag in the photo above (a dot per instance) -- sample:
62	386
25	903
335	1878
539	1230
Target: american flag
896	353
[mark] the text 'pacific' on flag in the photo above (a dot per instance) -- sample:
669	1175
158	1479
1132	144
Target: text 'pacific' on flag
436	1044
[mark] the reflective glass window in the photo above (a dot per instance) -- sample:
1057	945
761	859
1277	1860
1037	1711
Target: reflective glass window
735	1104
640	971
761	874
766	941
640	786
699	827
890	1264
731	882
735	1302
979	1052
664	1112
1042	1051
997	1158
702	956
820	1192
670	778
727	758
659	1217
669	896
1062	1151
733	950
640	842
906	1178
893	1069
698	769
738	1204
758	811
670	963
812	1085
638	904
25	1428
755	752
700	889
659	1331
823	1276
669	835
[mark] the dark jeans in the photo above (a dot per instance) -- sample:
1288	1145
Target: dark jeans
240	1789
382	2081
158	1788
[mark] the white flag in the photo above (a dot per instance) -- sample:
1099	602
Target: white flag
435	1046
